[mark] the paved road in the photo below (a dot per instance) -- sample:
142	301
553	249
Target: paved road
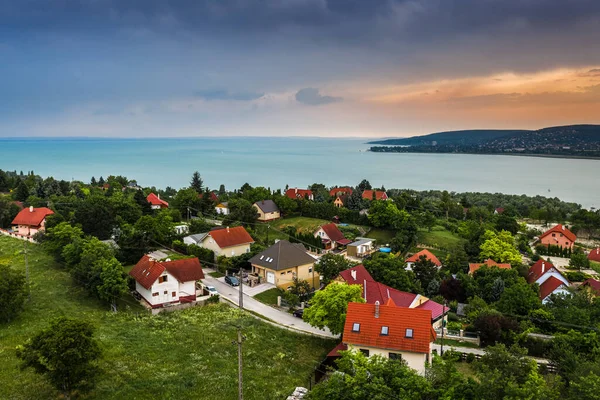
279	317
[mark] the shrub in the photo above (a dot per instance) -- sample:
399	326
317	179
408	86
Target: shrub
454	326
470	358
453	317
213	299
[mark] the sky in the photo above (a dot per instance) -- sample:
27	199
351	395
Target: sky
339	68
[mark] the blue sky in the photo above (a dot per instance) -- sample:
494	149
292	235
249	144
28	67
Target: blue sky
132	68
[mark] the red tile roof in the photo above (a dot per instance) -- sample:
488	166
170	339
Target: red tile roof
430	256
212	196
335	352
32	216
549	286
156	201
360	272
334	234
339	191
147	270
228	237
593	284
594	255
397	320
489	263
560	229
538	269
379	195
436	308
499	210
295	193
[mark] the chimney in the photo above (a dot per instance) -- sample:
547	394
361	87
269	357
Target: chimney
227	229
563	227
376	309
158	195
30	208
353	273
296	190
543	267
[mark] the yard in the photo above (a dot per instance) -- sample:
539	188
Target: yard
269	296
382	236
439	238
175	355
302	224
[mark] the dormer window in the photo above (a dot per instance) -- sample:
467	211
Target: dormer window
384	330
409	333
356	327
162	279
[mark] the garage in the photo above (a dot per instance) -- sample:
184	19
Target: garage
271	277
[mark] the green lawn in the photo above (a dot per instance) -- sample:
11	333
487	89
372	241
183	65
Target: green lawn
595	266
185	354
269	296
466	369
455	343
439	238
302	224
216	274
382	236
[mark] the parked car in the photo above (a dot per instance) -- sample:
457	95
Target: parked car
212	291
232	280
299	313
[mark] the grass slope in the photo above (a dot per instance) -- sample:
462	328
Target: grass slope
269	296
302	224
185	354
439	238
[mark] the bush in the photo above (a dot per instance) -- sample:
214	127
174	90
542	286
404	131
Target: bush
213	299
453	317
536	347
454	326
576	276
470	358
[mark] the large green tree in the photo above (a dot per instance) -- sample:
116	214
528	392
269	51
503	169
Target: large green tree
196	182
500	247
240	211
328	306
519	299
113	282
390	270
330	265
13	291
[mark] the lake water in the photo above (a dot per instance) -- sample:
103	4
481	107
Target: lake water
275	162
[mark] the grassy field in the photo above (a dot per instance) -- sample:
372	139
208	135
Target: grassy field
595	266
269	296
456	343
382	236
185	354
439	238
216	274
302	224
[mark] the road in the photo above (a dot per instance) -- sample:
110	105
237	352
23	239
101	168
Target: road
276	316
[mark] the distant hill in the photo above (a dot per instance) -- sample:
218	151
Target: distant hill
568	141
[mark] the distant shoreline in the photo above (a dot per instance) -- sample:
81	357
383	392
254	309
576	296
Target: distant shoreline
494	154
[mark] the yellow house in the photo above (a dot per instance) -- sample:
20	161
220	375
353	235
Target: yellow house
267	210
228	242
284	261
338	202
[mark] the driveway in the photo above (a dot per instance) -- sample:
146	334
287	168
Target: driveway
278	317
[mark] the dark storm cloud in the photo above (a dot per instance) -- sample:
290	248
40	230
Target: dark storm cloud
312	97
222	94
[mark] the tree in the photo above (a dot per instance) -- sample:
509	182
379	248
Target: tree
425	271
500	247
65	352
364	185
494	327
22	192
96	217
196	182
93	181
141	201
390	270
113	281
519	299
300	288
242	211
586	387
186	198
222	190
506	223
445	202
13	292
328	306
330	265
58	237
579	261
457	260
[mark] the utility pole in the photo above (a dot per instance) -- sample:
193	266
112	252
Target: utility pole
27	270
241	301
240	339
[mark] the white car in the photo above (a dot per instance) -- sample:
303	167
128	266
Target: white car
212	291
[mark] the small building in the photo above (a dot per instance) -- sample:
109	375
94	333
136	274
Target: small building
295	193
222	208
594	255
552	285
543	270
195	239
362	247
181	229
499	210
340	191
410	261
374	195
155	202
162	283
341	201
331	236
558	235
30	221
267	210
389	331
284	261
228	242
592	285
488	263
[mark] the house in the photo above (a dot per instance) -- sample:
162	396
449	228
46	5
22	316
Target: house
373	291
543	270
30	221
594	255
379	195
341	201
361	247
331	236
284	261
267	210
195	239
552	285
228	242
488	263
592	285
162	283
340	191
392	332
222	208
410	261
498	210
295	193
558	235
181	229
212	195
156	203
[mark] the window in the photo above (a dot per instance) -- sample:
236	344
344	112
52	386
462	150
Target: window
283	273
567	243
365	352
554	234
409	333
384	330
154	294
165	292
289	272
310	269
395	356
356	327
561	235
162	279
173	294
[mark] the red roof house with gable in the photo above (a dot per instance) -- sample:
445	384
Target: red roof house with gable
295	193
228	242
390	331
558	235
593	285
488	263
167	282
30	221
331	236
212	196
379	195
542	270
594	255
410	261
155	202
552	285
336	192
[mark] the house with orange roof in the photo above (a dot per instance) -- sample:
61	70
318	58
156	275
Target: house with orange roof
340	191
552	285
558	235
295	193
155	202
162	283
488	263
228	242
410	261
331	236
374	195
594	255
30	221
389	331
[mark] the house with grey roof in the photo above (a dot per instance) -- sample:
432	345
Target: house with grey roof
284	261
267	210
196	238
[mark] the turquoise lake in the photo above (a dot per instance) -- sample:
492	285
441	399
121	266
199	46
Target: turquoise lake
275	162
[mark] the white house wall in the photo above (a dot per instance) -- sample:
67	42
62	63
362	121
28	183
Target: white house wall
553	273
170	286
415	361
559	290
